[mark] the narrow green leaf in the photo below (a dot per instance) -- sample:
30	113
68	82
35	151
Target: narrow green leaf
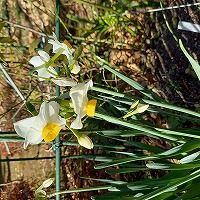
178	150
131	82
152	132
78	52
171	186
128	100
6	40
126	170
129	133
34	45
194	63
161	166
190	158
80	190
194	191
2	25
78	19
106	180
2	58
31	108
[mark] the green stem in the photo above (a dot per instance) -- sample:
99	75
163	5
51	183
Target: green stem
75	132
47	64
57	140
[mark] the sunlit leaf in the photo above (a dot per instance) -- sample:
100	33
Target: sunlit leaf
6	40
2	25
34	45
190	158
194	63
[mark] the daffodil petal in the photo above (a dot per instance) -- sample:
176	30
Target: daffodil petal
79	101
76	69
45	56
30	129
49	112
58	45
36	61
77	124
22	127
50	132
53	71
61	122
78	94
91	106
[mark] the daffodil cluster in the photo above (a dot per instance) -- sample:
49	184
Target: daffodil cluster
48	123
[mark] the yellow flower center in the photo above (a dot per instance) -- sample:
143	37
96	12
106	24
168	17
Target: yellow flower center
50	132
91	106
67	43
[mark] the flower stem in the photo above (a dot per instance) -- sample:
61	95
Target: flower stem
75	132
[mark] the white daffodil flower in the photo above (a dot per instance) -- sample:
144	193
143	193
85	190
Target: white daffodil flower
67	50
63	82
37	61
78	94
46	125
57	46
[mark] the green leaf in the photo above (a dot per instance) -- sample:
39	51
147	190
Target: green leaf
194	191
78	52
161	166
190	158
129	133
2	25
176	151
105	180
194	64
171	186
34	45
80	190
6	40
128	100
133	168
129	81
2	56
30	107
78	19
145	130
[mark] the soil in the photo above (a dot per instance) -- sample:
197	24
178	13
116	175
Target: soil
175	77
